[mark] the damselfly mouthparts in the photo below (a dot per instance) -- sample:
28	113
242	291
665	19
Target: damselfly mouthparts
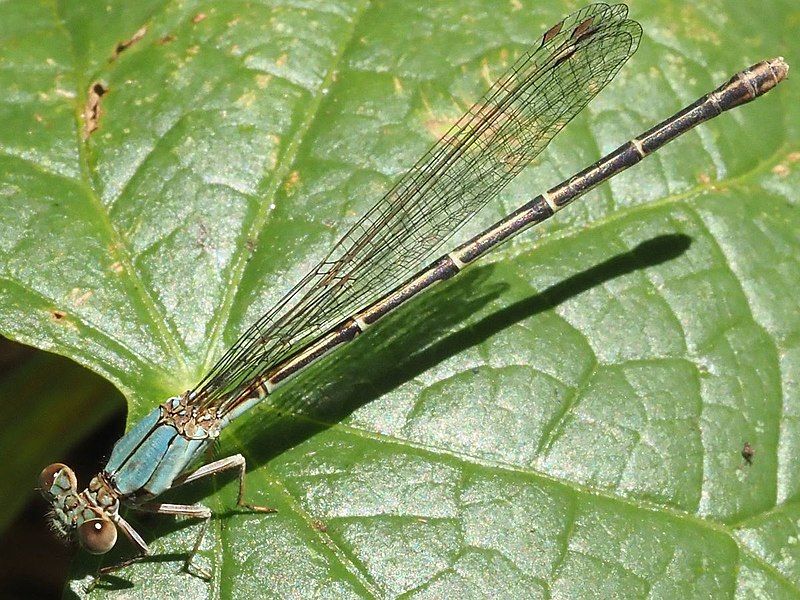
379	264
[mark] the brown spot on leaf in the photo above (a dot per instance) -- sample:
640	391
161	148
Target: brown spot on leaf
438	126
780	170
291	182
92	111
319	526
201	16
78	297
117	267
748	453
58	314
262	80
166	39
124	45
202	240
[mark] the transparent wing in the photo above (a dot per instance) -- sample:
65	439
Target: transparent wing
500	135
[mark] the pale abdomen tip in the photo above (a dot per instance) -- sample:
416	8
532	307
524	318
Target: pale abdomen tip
779	67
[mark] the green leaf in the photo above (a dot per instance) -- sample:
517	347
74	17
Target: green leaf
565	419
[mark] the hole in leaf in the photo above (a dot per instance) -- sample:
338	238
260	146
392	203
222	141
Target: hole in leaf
91	114
124	45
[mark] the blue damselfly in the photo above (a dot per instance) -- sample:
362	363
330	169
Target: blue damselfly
379	264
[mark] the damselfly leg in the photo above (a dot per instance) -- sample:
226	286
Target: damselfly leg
193	511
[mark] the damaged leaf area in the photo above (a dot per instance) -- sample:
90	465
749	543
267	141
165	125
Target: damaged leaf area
607	403
93	110
124	45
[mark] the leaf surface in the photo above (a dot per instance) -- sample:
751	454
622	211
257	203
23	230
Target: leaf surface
565	419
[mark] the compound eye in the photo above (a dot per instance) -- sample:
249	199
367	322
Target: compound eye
57	474
97	536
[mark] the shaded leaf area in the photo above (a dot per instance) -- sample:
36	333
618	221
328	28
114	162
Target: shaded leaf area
566	420
36	410
49	405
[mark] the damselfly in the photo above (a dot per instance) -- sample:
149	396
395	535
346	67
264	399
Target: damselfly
379	264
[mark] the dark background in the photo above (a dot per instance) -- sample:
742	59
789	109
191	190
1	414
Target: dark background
33	562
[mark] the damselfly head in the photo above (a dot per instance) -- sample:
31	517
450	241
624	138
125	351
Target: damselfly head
81	516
